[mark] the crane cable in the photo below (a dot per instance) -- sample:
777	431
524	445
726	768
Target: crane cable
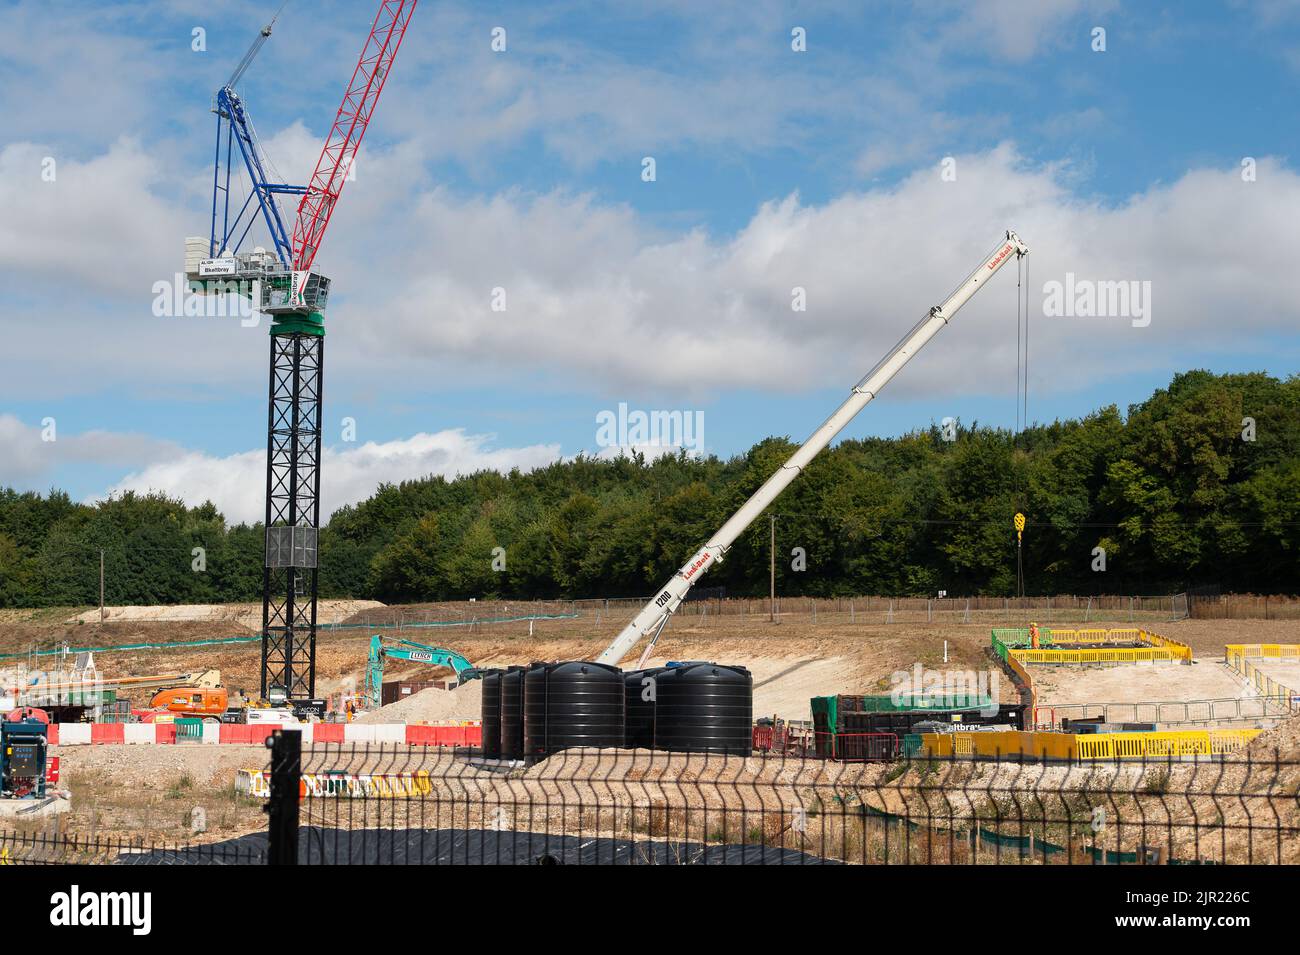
1020	272
1025	416
1022	346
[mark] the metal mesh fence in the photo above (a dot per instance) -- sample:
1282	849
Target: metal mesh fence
428	805
431	806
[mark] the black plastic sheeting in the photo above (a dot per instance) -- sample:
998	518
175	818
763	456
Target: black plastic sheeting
317	846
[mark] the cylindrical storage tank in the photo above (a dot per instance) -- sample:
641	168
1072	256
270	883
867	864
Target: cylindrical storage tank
512	713
639	725
535	711
491	714
705	708
571	705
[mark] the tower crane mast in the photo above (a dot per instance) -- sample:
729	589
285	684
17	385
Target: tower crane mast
294	295
654	616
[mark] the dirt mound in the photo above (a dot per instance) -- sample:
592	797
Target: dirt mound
1282	742
248	615
432	706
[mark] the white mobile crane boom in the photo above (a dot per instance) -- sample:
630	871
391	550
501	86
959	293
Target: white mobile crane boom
652	618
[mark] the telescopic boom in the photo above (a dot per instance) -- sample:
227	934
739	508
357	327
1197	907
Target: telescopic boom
654	615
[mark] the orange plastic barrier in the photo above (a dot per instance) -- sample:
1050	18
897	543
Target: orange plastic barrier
444	735
53	736
242	734
107	733
164	732
327	732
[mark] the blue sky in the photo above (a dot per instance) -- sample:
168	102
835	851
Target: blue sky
522	170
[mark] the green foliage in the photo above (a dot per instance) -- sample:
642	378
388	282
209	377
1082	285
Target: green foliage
1173	492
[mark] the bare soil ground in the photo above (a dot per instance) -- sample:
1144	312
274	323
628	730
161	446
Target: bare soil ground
245	615
150	791
1137	683
1208	637
792	660
1286	672
432	705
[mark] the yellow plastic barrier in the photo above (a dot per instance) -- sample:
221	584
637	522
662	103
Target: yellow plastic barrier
1278	651
1101	655
1094	635
1174	649
1237	656
1019	669
1174	645
1087	746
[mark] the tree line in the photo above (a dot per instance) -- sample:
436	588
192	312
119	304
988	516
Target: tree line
1198	484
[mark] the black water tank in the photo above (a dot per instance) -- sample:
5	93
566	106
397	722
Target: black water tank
535	711
705	708
640	722
568	705
512	713
491	714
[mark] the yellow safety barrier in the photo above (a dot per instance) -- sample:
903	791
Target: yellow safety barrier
1278	651
1174	645
1175	649
1101	655
1088	746
1237	656
1093	635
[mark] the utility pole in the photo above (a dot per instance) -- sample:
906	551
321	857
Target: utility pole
771	613
101	586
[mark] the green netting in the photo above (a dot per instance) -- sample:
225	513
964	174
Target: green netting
1019	637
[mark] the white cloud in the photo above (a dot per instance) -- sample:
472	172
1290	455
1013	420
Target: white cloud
593	296
1019	31
98	227
236	484
598	297
33	452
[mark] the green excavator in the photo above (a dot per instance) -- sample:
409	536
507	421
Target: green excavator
416	653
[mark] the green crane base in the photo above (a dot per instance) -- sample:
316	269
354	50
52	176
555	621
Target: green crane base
313	324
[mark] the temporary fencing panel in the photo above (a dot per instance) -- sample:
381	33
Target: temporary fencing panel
106	732
74	734
1079	747
138	733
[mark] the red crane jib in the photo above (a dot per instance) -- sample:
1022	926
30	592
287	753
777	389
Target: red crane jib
317	204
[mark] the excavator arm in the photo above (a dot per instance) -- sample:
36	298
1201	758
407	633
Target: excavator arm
416	653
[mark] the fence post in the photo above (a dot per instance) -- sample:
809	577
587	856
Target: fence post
282	806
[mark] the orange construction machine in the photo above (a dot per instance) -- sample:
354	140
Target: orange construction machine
195	701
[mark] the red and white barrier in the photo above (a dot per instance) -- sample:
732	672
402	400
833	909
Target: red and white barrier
139	733
240	734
